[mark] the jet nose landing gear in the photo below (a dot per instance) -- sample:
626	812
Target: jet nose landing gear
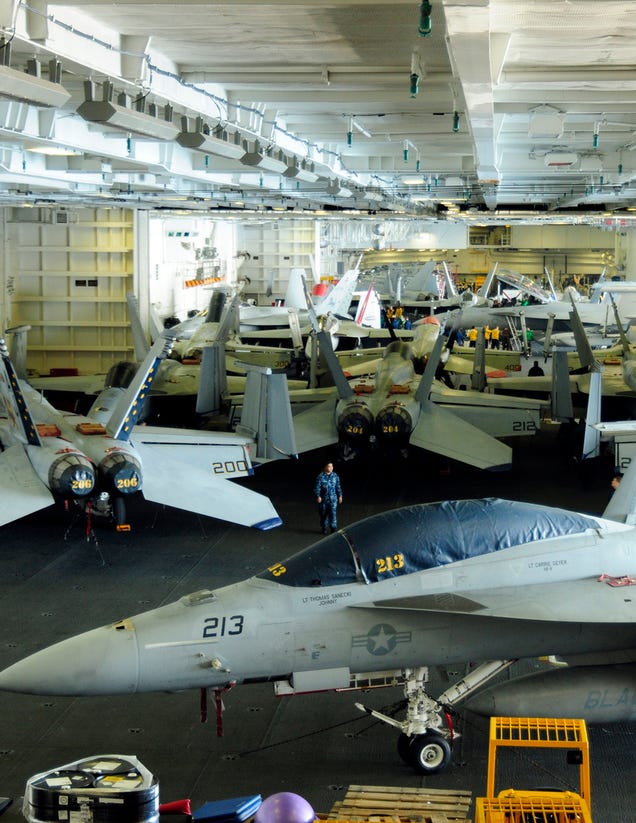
426	735
428	753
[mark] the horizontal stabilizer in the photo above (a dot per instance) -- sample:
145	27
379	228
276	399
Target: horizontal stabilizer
442	432
175	482
316	427
21	490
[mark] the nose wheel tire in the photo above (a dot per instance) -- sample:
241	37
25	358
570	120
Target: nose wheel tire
404	747
429	753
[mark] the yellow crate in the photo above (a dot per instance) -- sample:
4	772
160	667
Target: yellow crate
540	732
518	807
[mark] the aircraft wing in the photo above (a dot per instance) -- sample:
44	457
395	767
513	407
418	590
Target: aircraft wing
440	431
21	490
174	480
78	384
586	600
316	427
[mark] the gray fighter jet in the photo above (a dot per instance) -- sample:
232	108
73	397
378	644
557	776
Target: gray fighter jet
487	581
96	462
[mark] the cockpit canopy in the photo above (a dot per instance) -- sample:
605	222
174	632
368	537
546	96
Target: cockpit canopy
421	537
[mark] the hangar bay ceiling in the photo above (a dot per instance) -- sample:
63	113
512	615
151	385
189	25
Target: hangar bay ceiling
447	107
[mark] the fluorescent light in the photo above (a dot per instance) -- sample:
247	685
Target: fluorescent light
219	142
413	181
336	190
54	151
264	161
301	173
122	117
29	88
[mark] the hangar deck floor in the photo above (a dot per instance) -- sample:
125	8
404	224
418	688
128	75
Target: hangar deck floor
54	584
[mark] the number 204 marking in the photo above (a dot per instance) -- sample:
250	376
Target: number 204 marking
220	626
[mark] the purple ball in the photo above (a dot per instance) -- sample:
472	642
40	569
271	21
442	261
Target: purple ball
284	807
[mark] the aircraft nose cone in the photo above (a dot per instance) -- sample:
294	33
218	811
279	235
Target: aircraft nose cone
101	661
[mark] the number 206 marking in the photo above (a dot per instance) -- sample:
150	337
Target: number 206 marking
220	626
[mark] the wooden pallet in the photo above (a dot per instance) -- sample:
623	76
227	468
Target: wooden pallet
389	804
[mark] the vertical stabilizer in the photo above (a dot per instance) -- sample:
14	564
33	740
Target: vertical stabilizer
339	298
484	289
140	342
592	437
18	350
295	294
368	313
622	506
478	376
14	400
583	348
426	383
451	290
561	394
212	379
130	405
266	415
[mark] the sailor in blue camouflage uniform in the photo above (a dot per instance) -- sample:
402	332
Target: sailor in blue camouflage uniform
328	495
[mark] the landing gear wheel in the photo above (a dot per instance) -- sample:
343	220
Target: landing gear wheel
404	748
119	511
430	753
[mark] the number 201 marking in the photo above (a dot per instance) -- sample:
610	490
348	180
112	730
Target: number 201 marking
388	564
220	626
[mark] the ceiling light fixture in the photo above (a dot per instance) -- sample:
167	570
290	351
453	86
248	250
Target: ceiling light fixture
302	172
29	87
217	142
264	161
337	190
120	116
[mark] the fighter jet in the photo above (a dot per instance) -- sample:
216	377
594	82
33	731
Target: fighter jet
396	409
438	584
96	462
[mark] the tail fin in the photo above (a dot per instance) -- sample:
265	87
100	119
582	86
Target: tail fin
295	296
18	350
266	415
561	393
621	331
14	400
451	291
212	379
592	438
478	377
127	411
339	298
622	506
368	313
140	343
584	350
484	289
